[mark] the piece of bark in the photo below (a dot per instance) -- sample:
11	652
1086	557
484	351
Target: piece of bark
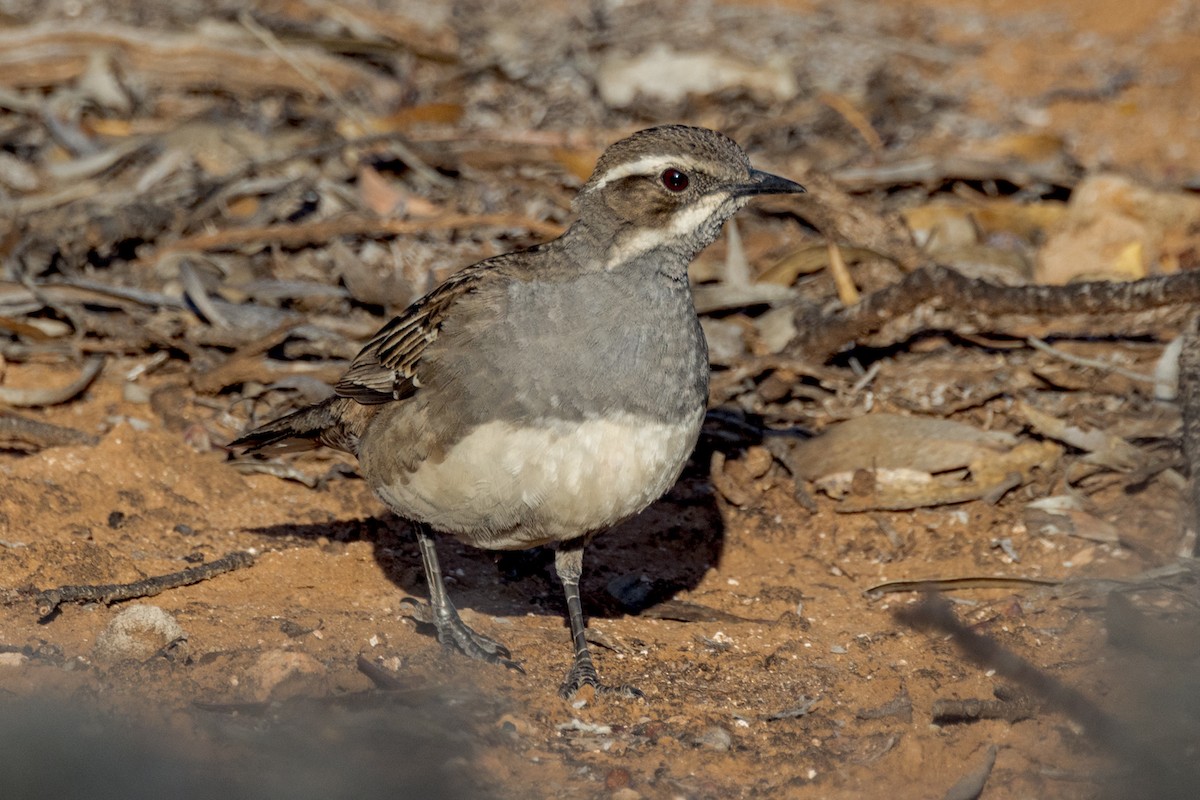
1189	399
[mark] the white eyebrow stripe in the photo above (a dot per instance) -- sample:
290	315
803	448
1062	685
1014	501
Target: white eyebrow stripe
645	166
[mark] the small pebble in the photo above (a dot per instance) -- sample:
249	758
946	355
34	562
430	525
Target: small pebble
630	590
514	725
618	778
758	460
276	667
135	393
716	738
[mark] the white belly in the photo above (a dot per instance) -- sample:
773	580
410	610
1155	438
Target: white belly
502	487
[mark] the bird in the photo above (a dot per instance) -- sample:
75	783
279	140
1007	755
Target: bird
542	396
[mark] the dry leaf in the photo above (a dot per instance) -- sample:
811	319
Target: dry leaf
892	441
377	193
577	162
889	462
1116	228
958	223
1064	514
1102	447
425	114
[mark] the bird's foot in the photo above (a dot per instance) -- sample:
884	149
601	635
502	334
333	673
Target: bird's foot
453	632
457	634
582	681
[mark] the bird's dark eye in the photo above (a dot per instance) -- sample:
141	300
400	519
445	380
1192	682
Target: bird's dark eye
674	180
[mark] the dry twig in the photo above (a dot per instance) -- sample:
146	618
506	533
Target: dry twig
1094	363
297	235
28	398
1189	397
30	435
47	55
49	600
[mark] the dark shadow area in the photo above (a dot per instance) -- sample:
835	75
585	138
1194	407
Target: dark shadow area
365	745
672	543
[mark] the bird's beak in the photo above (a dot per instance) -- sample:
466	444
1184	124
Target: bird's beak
765	183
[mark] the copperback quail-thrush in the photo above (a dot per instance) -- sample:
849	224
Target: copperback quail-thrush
542	396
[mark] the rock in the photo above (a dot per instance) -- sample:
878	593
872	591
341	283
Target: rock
135	393
137	634
630	590
13	659
618	778
716	738
276	667
515	725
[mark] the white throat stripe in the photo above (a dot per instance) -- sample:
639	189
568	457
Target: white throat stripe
682	223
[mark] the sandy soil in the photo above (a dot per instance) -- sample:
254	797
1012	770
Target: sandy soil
779	623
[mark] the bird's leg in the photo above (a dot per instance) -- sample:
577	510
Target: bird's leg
568	563
451	630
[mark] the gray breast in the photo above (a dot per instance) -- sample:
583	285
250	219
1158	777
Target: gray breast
575	349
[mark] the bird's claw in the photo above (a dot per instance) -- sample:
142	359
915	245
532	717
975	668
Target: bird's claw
582	677
453	632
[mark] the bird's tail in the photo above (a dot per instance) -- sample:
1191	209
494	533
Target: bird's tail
336	422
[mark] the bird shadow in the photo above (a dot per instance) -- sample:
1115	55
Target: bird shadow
628	568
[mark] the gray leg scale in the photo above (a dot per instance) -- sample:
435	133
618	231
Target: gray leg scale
568	563
451	630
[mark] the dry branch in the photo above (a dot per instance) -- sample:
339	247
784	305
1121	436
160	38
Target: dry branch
30	435
49	600
968	301
1189	397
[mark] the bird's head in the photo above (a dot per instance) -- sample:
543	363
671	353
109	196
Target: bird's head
665	193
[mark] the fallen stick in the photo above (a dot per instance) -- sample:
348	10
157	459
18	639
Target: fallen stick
49	600
298	235
1189	400
28	398
966	301
30	435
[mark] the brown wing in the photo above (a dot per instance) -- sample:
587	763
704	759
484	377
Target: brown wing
385	369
